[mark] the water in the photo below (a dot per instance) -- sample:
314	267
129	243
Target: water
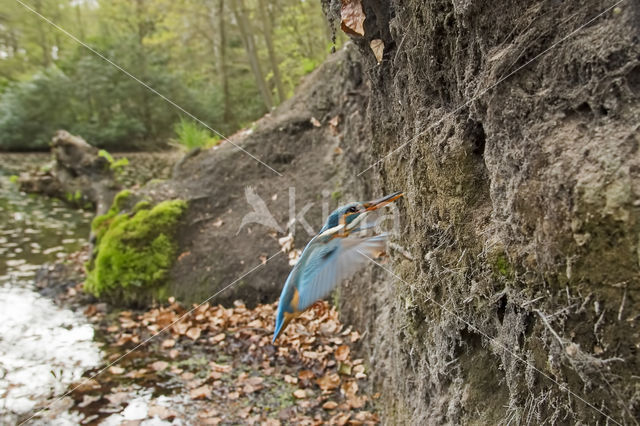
43	347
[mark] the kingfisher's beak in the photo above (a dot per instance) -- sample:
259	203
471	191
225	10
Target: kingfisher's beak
381	202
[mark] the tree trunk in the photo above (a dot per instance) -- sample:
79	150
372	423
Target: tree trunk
42	36
222	62
252	53
268	31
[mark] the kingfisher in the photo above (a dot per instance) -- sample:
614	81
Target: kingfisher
335	254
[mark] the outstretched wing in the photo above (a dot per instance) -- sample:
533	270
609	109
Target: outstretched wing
328	264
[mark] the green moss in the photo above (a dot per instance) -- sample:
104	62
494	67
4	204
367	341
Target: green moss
14	179
133	252
100	224
336	195
502	267
142	205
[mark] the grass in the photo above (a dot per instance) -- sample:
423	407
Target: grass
191	135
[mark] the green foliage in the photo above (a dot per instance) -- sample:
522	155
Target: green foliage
192	135
31	111
134	252
101	223
116	165
49	82
14	179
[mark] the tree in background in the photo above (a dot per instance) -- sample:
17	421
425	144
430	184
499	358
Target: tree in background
225	61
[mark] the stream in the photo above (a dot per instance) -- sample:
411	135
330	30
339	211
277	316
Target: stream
43	347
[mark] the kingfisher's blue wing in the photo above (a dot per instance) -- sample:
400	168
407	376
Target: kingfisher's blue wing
328	264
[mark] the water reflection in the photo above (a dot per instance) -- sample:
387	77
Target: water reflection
43	348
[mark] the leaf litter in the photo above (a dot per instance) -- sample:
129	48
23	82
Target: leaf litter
217	366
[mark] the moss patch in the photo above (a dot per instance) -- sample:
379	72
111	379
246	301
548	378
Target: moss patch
133	251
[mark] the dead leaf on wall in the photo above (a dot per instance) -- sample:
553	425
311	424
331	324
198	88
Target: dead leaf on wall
352	17
377	46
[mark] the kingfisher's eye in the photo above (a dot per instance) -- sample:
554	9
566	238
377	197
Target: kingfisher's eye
352	209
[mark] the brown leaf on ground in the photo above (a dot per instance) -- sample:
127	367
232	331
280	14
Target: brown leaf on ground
290	379
352	17
328	382
300	393
181	327
168	343
193	333
203	392
116	370
217	338
221	368
163	413
329	405
159	365
118	398
342	353
86	386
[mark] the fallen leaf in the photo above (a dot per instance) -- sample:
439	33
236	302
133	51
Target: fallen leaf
218	223
344	369
377	46
342	353
263	259
315	122
328	382
233	395
290	379
221	368
187	376
183	255
159	365
203	392
115	370
193	333
163	413
329	405
352	17
305	375
118	398
181	327
86	386
300	393
218	338
168	343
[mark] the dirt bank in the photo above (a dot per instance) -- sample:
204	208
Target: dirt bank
224	233
521	215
